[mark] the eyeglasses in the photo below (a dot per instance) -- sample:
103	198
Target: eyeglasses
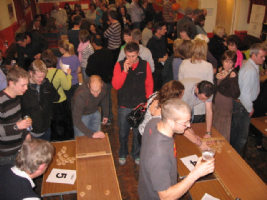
186	124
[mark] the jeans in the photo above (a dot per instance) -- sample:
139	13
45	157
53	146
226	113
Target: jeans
91	121
239	127
110	115
84	73
124	129
46	136
8	160
136	25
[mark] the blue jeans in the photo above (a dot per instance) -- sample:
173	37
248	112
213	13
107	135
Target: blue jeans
239	126
110	115
124	129
46	136
84	73
8	160
91	121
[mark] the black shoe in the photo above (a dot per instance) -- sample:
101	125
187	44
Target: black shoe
261	148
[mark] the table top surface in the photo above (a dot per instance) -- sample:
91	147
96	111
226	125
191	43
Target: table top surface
50	189
234	174
260	123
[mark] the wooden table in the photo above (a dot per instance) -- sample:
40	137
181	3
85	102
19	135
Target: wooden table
53	189
260	123
236	178
94	167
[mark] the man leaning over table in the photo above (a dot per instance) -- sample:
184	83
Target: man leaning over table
249	83
158	163
85	111
31	162
197	91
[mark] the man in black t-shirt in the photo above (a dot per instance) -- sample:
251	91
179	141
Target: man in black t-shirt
158	168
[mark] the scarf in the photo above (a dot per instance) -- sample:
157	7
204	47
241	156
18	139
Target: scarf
81	47
239	59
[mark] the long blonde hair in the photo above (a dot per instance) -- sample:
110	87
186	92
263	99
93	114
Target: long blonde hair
199	50
67	46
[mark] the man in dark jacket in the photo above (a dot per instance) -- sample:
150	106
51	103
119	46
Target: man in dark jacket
85	111
37	101
31	44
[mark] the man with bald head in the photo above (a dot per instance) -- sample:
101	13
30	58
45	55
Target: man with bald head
85	111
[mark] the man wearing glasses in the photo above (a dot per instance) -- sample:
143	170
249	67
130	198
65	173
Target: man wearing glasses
158	164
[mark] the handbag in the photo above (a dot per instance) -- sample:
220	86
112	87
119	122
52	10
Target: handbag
137	115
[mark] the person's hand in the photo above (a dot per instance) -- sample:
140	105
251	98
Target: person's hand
251	113
219	75
101	21
28	136
164	58
127	65
105	120
204	145
108	22
69	71
23	124
127	21
99	134
37	56
232	75
203	168
225	44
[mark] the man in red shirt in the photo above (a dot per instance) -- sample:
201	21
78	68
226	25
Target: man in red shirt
132	78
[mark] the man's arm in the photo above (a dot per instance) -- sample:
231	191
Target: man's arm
208	115
119	77
179	189
190	135
149	84
108	32
77	112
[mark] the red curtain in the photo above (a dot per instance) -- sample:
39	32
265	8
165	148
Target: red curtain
19	11
257	2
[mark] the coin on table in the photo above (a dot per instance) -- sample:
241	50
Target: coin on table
66	155
71	161
107	192
64	147
63	151
59	153
82	194
88	187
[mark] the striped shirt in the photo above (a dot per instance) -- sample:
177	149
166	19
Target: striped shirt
113	33
86	53
167	8
10	113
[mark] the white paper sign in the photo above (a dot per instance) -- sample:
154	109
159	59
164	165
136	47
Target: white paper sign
63	66
190	161
256	20
62	176
208	197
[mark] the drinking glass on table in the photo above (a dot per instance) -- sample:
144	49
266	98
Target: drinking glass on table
208	154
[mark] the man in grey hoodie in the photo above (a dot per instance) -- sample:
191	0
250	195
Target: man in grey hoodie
144	52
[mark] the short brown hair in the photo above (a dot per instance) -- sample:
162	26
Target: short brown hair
199	50
170	90
15	73
38	66
33	153
229	55
49	59
131	47
136	35
182	48
84	36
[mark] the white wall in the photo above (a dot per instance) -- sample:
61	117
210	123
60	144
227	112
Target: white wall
241	15
5	21
210	22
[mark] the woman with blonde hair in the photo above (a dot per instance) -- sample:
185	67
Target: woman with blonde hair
182	50
217	44
197	67
69	61
61	122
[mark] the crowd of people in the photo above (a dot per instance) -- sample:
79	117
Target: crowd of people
124	45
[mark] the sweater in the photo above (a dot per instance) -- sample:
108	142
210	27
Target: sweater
85	103
113	33
99	66
10	114
61	82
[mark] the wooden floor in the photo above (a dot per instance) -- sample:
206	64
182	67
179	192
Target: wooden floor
128	174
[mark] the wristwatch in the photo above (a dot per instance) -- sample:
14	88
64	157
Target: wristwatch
16	128
209	133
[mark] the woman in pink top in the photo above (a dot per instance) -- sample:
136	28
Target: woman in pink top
233	41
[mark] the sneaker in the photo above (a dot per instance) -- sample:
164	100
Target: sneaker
122	161
137	161
109	122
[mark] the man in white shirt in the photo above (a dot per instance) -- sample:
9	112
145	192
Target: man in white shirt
61	18
249	83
